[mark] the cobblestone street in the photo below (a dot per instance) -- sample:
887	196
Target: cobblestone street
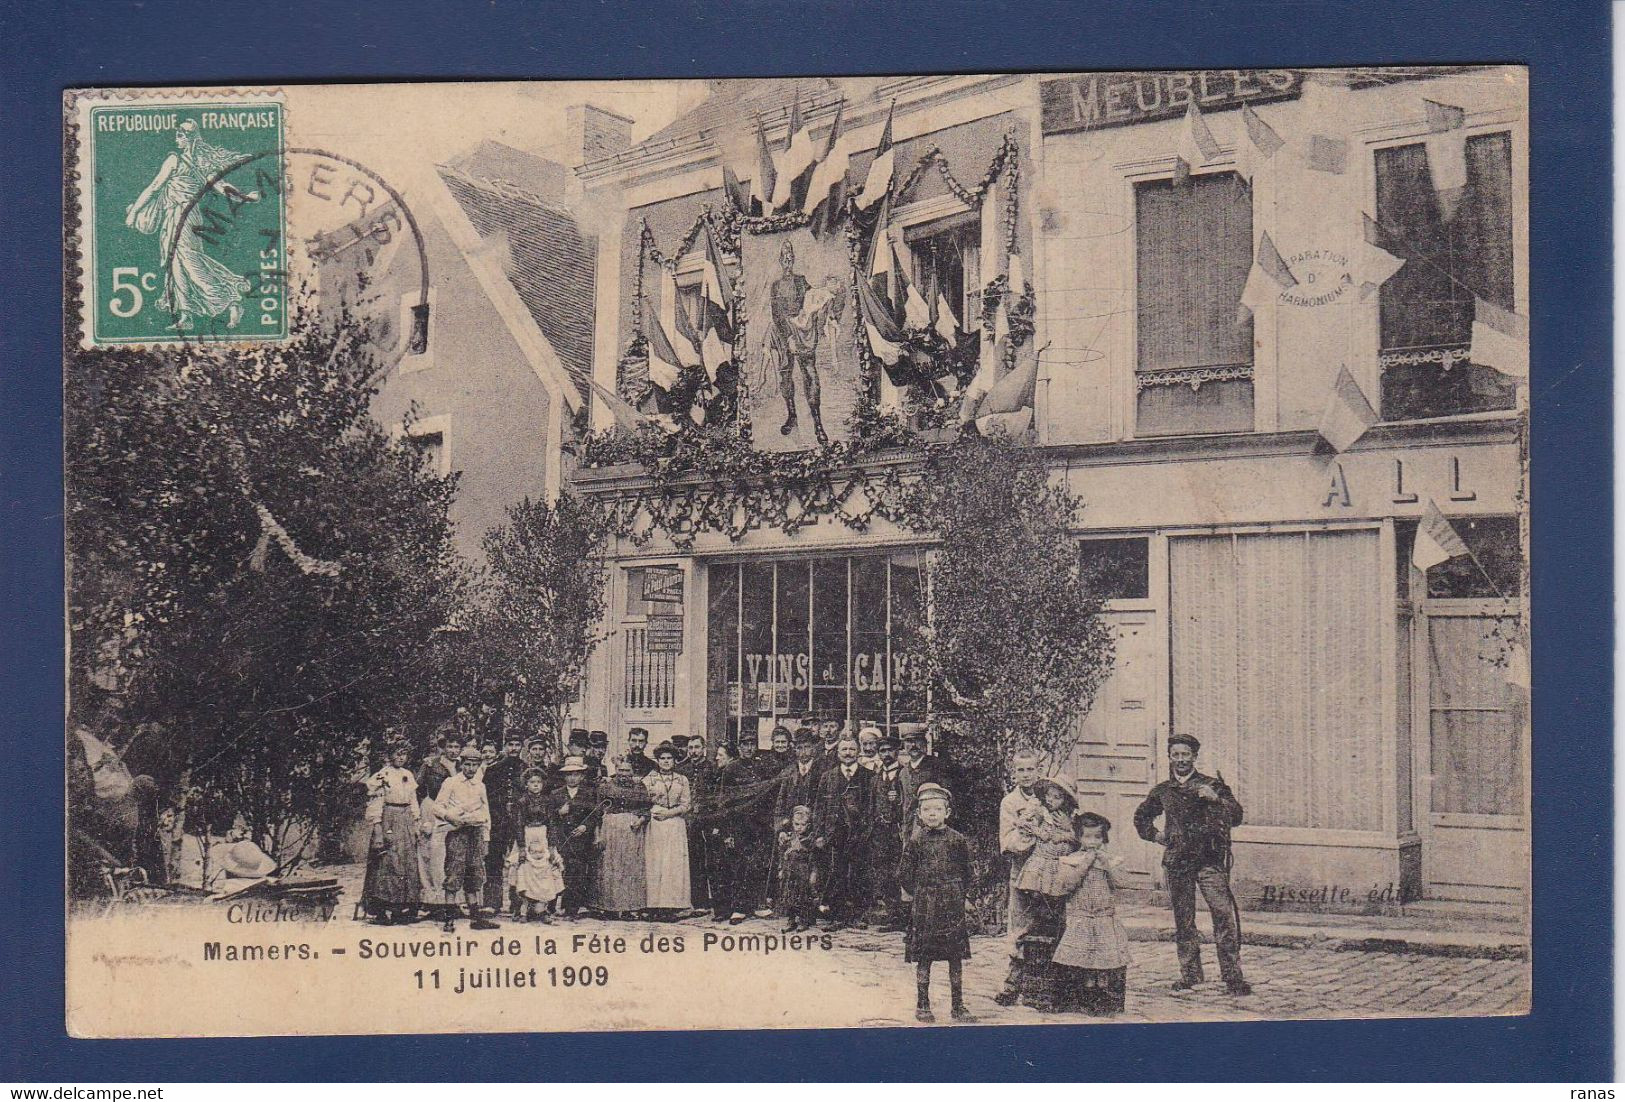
1288	982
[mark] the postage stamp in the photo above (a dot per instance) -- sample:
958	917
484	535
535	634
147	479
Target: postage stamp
183	221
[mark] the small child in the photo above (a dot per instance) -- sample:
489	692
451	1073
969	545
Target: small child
935	877
1091	959
539	875
798	872
1053	837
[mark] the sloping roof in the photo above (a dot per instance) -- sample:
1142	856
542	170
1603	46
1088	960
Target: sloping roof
547	257
503	164
732	101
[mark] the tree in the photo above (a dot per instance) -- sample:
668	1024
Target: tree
542	605
1012	634
259	572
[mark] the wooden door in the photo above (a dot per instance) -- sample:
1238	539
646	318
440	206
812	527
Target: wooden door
1472	759
1115	757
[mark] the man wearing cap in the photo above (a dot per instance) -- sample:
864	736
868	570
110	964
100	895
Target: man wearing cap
1016	844
637	752
926	767
842	824
798	782
570	830
748	781
894	813
462	804
1197	813
502	790
702	774
829	733
597	751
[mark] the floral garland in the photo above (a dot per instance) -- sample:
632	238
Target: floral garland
710	479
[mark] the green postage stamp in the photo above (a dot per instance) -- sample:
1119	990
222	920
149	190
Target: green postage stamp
182	219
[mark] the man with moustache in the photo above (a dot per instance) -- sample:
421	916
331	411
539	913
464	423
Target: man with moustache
843	815
502	790
637	752
895	796
1197	812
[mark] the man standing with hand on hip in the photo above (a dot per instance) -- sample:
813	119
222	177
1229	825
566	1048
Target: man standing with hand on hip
1197	813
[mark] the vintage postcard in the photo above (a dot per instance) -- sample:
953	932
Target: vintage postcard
784	553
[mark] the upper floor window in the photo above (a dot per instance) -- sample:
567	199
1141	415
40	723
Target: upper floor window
947	260
1193	249
433	447
1426	308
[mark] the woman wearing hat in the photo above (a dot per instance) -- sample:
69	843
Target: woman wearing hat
392	889
666	847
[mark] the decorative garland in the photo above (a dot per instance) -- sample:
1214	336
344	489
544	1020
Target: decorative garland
711	479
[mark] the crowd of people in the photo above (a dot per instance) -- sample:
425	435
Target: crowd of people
827	828
812	830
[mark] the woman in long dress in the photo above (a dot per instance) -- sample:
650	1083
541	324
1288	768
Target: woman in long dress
621	832
195	283
666	847
393	887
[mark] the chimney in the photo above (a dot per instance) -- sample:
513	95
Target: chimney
594	132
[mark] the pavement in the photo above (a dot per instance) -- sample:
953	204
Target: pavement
1300	965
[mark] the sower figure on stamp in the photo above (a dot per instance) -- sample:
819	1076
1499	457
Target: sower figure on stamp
1016	844
1197	813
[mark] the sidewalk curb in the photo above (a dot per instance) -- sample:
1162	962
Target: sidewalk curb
1337	944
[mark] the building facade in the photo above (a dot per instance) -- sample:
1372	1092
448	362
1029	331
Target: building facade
1259	580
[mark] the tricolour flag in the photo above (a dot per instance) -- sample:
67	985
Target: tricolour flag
1443	116
1436	541
716	289
767	176
736	191
1500	339
946	325
624	414
878	181
1196	144
678	327
1373	264
1267	278
827	190
796	165
665	368
1348	413
885	338
1261	143
1326	153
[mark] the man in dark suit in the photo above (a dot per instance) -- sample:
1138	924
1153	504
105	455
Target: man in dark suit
502	792
843	819
637	755
1197	812
798	782
570	830
702	773
895	795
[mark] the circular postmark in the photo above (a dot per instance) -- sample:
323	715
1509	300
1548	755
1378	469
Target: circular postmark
364	253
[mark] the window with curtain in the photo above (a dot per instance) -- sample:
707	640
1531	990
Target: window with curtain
1426	308
1193	249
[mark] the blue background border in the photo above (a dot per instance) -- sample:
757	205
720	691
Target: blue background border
48	47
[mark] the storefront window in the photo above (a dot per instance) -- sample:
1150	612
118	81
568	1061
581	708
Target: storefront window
833	635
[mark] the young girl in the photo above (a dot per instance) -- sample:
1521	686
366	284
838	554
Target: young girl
539	877
935	875
1091	960
798	872
1053	837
